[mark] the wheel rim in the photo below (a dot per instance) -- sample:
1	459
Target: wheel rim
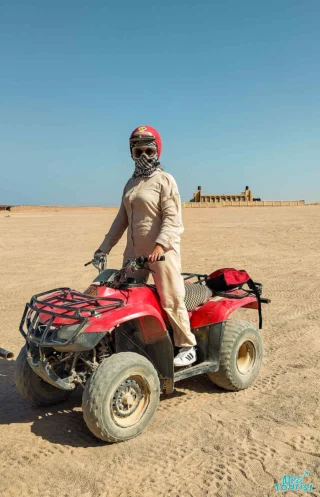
246	357
130	401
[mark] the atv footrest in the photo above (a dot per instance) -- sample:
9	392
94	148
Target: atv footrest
202	368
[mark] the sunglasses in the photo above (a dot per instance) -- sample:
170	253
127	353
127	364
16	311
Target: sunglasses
138	151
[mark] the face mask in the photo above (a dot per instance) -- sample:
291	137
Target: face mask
146	165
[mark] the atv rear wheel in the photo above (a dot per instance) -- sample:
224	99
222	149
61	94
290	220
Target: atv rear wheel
32	388
241	356
121	397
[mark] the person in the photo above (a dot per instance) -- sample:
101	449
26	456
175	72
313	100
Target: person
151	211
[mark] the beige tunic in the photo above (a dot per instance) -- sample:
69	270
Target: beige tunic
151	210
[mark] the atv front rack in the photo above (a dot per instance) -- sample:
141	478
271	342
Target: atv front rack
72	305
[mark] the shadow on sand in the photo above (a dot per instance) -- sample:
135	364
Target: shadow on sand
63	423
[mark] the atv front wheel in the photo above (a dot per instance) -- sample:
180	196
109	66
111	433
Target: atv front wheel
32	388
121	397
241	356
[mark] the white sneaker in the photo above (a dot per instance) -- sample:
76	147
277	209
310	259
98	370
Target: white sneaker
186	356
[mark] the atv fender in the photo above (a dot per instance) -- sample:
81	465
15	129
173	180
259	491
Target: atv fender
109	320
218	309
140	328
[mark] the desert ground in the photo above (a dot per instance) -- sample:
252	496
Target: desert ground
203	441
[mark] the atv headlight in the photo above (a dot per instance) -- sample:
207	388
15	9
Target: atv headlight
66	332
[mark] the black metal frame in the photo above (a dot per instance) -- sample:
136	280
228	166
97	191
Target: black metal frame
209	340
37	306
130	338
202	278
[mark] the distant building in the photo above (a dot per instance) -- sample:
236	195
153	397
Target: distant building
198	196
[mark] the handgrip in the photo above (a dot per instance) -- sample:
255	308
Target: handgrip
162	258
143	260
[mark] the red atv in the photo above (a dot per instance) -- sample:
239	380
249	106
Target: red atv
115	341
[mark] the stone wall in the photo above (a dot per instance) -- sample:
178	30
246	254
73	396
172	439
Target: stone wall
263	203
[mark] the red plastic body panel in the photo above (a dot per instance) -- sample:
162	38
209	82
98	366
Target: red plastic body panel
216	311
120	315
138	301
142	303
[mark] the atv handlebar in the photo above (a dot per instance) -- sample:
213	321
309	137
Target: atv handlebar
99	262
265	300
143	260
96	260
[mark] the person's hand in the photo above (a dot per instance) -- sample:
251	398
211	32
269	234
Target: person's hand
156	254
98	253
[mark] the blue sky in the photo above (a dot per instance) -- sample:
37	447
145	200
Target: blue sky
233	88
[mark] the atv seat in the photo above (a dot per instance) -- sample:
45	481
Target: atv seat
196	295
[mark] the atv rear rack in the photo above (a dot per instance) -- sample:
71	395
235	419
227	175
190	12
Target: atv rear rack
202	278
38	305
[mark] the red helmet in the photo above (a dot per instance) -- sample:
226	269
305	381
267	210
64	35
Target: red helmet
142	133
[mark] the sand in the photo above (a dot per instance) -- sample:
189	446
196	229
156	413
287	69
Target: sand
202	441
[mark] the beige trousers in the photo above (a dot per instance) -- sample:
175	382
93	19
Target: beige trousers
171	290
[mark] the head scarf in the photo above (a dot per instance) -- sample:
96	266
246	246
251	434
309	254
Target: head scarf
145	166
